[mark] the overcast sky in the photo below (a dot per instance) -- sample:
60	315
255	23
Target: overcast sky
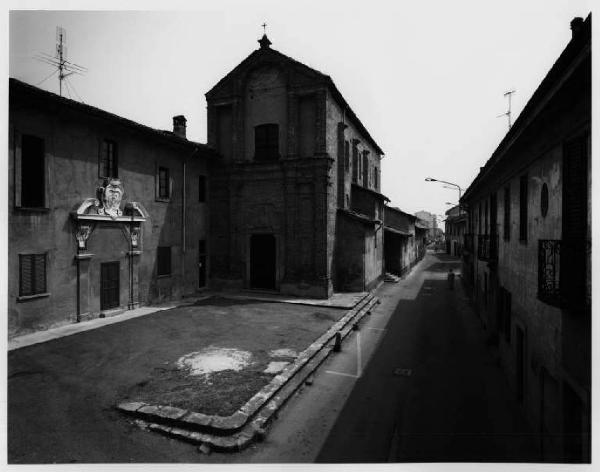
426	78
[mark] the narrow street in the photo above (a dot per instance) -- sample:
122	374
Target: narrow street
432	391
416	383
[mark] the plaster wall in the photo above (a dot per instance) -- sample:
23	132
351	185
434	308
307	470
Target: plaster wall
72	141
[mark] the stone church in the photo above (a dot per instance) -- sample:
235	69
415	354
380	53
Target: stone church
295	197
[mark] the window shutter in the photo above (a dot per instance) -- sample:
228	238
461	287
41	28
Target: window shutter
26	273
39	282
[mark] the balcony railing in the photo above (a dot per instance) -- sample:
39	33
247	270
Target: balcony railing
487	247
549	271
563	275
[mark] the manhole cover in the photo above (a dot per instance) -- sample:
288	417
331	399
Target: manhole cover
401	372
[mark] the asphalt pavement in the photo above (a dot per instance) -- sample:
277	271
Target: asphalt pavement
432	391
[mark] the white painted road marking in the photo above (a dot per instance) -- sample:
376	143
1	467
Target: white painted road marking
359	356
358	361
341	373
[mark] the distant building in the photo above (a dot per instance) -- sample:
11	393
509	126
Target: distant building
456	227
527	253
296	204
104	214
431	221
402	247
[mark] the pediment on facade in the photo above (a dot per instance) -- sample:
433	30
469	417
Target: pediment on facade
296	73
106	206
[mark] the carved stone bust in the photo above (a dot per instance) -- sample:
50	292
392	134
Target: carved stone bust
112	193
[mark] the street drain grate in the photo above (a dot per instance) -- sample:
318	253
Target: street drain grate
400	372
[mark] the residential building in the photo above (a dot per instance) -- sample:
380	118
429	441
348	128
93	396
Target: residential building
433	232
527	252
455	225
105	214
401	248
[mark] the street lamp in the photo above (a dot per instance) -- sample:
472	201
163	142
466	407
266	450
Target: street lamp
431	179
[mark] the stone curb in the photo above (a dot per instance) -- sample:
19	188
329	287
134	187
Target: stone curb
159	417
256	428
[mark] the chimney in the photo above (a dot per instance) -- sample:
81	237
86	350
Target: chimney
179	126
576	26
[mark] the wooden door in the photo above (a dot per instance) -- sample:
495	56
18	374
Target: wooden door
109	285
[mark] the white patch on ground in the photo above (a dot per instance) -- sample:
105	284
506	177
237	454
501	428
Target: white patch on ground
275	367
283	353
214	359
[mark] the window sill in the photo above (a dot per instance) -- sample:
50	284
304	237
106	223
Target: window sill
164	200
164	276
33	209
26	298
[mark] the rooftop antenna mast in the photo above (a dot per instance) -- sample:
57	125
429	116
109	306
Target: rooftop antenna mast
59	61
509	111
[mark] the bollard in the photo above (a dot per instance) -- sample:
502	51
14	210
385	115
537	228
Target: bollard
337	345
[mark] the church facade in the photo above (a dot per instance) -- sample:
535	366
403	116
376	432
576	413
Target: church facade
296	204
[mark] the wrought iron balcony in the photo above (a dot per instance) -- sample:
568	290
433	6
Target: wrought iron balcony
563	275
549	271
487	247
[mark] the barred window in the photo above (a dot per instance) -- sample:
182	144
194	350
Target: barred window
163	260
266	142
108	160
32	274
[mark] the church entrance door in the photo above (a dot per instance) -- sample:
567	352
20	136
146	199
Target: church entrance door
263	258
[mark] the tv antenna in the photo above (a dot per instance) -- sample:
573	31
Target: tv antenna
62	66
509	111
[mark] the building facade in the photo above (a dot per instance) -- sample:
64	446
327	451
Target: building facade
104	214
403	241
456	227
296	204
527	253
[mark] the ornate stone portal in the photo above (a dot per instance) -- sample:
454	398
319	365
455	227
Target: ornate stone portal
106	207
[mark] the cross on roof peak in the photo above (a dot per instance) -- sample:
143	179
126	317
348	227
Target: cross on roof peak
264	41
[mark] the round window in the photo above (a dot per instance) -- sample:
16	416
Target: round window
544	200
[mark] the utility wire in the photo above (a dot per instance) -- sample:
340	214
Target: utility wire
44	80
67	89
74	90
